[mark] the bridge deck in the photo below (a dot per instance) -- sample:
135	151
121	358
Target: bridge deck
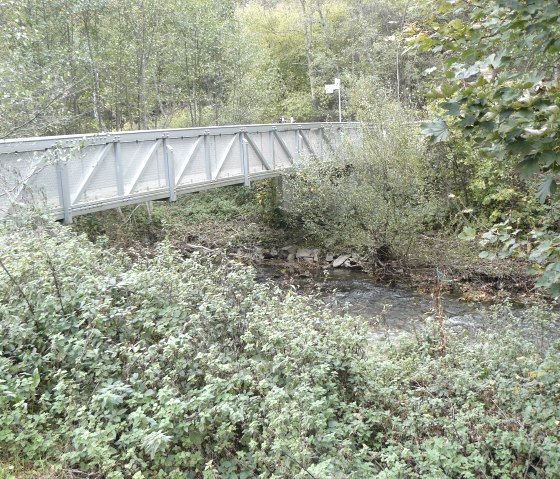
78	174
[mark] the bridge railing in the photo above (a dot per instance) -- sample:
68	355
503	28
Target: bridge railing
78	174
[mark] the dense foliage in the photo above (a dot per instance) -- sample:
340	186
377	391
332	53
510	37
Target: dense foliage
125	364
372	191
500	61
98	65
498	89
168	367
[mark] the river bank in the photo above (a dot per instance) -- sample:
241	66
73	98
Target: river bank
228	221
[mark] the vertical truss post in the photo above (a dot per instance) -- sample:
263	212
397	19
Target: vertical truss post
321	139
298	144
118	165
271	148
245	159
207	155
64	190
168	158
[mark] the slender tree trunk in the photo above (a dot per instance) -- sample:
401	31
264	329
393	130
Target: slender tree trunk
95	74
308	37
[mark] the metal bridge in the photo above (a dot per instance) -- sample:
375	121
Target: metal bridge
79	174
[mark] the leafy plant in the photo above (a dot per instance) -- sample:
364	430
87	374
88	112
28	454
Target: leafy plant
501	87
371	191
167	367
173	368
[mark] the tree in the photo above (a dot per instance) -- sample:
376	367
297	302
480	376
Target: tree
501	90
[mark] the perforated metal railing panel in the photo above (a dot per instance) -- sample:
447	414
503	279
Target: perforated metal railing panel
78	174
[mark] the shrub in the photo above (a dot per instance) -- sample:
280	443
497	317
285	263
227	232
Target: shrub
371	191
173	368
168	367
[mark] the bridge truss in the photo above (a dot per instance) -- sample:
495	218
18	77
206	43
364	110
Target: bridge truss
79	174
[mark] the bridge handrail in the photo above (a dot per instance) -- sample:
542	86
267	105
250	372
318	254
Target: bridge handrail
26	144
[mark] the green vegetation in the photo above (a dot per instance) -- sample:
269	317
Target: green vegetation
225	218
371	193
498	89
168	367
85	66
121	361
502	87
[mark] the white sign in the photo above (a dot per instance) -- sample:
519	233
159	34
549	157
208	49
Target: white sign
335	86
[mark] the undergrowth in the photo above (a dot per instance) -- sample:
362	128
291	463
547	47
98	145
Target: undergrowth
170	368
218	218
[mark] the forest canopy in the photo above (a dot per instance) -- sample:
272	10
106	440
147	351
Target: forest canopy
98	65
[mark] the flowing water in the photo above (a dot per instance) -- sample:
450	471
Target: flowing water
391	310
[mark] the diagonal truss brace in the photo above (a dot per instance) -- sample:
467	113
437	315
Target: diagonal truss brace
183	168
258	152
227	151
93	169
143	166
307	143
284	147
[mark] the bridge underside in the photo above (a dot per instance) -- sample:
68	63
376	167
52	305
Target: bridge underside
75	175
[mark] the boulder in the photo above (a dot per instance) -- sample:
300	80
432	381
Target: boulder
287	251
304	253
270	254
338	262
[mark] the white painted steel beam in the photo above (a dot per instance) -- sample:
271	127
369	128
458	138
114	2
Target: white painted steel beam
225	155
258	152
143	165
188	159
98	161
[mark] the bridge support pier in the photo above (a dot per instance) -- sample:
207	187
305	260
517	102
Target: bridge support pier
280	198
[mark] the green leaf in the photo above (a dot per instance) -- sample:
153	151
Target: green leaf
468	234
546	189
436	130
529	166
452	108
456	24
36	378
487	255
520	146
549	158
195	436
554	290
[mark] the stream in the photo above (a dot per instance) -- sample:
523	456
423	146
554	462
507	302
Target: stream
392	310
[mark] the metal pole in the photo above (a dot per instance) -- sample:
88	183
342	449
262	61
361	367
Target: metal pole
170	170
118	166
339	105
271	149
64	190
207	156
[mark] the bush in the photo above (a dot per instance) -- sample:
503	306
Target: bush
207	214
371	192
168	367
173	368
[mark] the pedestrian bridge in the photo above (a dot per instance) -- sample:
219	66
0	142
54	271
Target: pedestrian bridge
79	174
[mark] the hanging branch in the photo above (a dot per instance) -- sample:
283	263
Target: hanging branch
16	284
